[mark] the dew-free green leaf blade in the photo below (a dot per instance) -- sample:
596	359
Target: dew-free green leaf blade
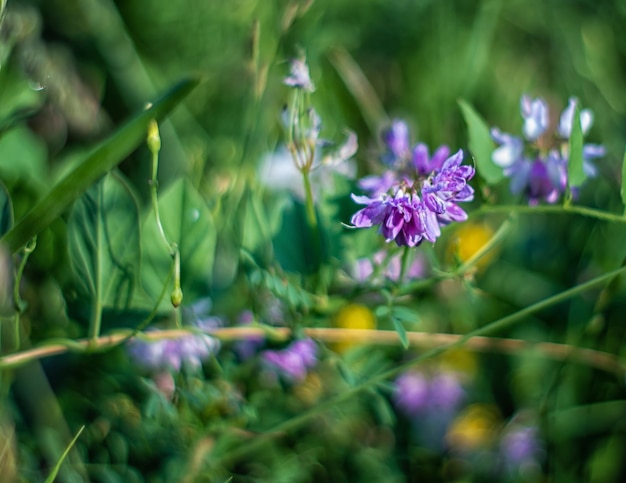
575	172
401	330
480	144
105	157
103	240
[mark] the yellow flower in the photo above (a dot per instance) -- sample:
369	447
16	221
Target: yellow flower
468	240
353	316
474	428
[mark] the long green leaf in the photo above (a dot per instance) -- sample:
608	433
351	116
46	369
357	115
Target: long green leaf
480	144
103	239
575	172
187	221
104	158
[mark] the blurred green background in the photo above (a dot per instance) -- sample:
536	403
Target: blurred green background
74	70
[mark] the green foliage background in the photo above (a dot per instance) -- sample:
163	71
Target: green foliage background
73	72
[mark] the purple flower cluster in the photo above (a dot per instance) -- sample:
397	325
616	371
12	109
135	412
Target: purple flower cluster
188	351
364	269
537	171
293	362
521	449
173	354
418	194
416	394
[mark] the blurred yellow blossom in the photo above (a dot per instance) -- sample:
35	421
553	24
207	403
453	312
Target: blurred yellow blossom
353	316
468	240
474	428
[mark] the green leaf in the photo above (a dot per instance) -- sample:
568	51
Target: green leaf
187	221
405	314
623	189
575	173
53	474
6	210
103	240
399	328
480	144
105	157
24	156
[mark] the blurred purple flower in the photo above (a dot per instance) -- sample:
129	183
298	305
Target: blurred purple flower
542	176
535	114
364	267
188	351
412	393
424	164
418	395
293	362
299	76
397	142
521	449
248	347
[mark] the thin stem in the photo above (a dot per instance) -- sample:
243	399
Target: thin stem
17	299
404	263
556	209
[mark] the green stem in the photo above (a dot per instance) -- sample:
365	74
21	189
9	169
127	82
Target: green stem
556	209
404	264
332	403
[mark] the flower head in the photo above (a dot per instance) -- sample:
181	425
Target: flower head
538	172
293	362
299	76
397	143
407	218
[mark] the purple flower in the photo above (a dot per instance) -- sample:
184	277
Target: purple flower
567	119
424	164
411	393
397	142
364	267
299	76
402	217
418	395
541	174
535	114
521	449
293	362
406	218
173	354
248	347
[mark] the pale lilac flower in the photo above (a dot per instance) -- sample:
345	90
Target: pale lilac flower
377	185
567	119
299	76
364	267
535	114
541	174
412	393
521	450
293	362
509	152
173	354
415	394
